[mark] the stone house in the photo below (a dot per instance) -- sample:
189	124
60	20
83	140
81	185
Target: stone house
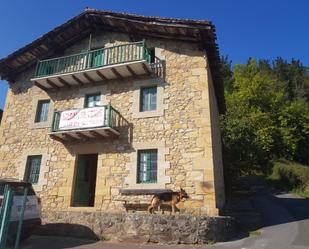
112	102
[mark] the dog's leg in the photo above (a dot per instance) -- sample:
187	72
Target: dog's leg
150	208
153	205
174	208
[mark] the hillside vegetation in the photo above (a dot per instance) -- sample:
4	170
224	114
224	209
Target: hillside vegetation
267	117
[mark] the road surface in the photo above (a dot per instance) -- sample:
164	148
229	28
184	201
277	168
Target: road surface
285	226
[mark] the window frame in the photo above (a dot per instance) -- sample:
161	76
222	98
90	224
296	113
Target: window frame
39	109
28	169
97	94
141	101
151	167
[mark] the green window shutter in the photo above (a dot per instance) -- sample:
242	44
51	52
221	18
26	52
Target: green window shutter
42	111
147	166
148	100
92	100
33	169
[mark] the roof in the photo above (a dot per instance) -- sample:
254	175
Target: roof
79	27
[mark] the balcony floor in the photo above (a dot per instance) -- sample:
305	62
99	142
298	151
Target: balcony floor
90	76
84	134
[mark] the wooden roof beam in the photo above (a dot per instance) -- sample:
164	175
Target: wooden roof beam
69	137
40	86
56	138
82	135
101	76
63	82
52	84
131	71
92	81
96	134
79	82
116	73
146	69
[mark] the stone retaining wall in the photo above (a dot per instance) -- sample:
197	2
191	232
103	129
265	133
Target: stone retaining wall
133	227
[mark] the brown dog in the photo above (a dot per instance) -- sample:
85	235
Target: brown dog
167	198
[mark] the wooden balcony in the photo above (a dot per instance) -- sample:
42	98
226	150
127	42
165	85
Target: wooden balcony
117	62
99	122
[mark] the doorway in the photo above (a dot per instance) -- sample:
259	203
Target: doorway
85	180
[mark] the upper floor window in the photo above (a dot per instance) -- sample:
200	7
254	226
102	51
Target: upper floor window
33	169
148	99
147	166
42	111
92	100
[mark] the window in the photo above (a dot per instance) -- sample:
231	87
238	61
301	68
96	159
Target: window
148	99
147	166
152	55
92	100
33	169
42	111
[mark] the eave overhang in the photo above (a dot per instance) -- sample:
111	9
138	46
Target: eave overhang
79	27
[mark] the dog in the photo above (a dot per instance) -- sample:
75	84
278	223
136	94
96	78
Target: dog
171	199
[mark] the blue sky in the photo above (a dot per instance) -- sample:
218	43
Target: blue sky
245	28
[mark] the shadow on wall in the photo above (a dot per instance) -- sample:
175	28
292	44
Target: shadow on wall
1	112
67	230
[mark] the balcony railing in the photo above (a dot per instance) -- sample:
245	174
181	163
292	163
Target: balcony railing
103	57
90	122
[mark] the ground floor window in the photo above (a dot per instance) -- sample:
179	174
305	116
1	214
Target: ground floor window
85	180
33	169
147	167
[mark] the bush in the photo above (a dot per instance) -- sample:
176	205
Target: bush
291	174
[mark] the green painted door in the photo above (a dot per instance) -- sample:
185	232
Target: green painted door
81	195
85	180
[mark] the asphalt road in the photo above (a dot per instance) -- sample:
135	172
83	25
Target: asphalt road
285	226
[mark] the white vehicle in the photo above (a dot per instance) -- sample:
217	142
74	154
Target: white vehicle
32	213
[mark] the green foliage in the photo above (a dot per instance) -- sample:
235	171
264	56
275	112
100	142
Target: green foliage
102	237
267	114
291	175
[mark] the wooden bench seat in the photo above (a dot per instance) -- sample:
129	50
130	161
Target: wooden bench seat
138	204
126	191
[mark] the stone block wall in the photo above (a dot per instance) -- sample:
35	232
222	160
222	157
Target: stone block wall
186	133
163	229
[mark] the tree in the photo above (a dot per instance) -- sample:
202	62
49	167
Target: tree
267	114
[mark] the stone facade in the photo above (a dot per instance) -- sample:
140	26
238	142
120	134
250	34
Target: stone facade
185	130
